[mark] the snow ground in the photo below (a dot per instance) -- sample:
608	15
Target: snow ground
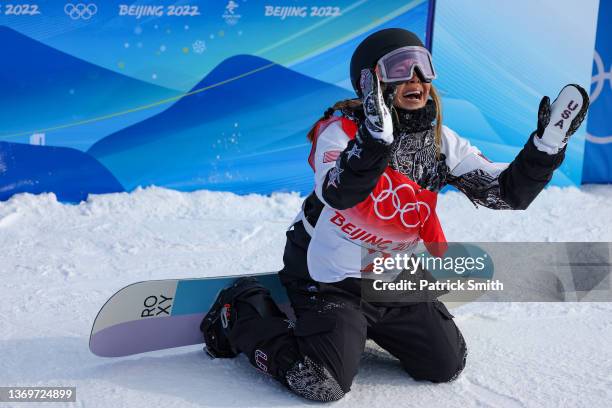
59	263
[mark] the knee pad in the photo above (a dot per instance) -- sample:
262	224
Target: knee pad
313	381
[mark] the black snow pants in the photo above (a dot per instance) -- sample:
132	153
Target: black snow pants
318	355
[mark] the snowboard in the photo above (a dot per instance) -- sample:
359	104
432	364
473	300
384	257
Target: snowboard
161	314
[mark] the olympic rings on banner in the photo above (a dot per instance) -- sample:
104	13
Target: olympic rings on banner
80	11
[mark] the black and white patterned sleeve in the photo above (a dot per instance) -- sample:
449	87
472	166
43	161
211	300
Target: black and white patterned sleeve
471	172
498	185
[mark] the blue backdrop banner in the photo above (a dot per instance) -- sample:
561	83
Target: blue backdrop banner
185	94
100	96
598	149
497	59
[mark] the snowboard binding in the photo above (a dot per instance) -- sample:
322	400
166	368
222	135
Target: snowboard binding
222	316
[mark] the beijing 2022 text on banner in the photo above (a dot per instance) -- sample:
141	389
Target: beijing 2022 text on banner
598	148
103	96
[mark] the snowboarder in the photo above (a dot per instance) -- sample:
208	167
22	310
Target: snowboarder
378	166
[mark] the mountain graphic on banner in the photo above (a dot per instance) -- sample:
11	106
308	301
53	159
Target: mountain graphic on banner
42	87
69	173
199	142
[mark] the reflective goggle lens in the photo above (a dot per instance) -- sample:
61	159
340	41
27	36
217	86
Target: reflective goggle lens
399	65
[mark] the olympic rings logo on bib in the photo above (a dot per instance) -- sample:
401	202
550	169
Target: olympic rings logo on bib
388	204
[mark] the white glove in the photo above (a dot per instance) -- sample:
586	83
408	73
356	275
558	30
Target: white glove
557	122
378	117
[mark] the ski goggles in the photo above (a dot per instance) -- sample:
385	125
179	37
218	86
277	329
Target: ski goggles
399	65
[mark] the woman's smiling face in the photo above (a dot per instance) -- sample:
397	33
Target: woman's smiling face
412	94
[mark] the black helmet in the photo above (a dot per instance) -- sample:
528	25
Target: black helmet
375	46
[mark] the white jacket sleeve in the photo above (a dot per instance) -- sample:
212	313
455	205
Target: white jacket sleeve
471	172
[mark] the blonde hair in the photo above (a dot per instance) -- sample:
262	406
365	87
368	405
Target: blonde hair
435	96
347	104
353	104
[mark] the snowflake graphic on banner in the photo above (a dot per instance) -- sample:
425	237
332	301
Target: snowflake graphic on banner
199	46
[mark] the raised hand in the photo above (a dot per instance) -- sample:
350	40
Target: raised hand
559	121
378	123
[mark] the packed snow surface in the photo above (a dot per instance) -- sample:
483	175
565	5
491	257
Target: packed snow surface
59	263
